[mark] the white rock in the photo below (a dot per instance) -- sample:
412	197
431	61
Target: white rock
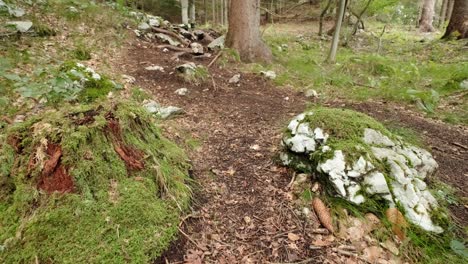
143	26
464	84
154	68
373	137
217	43
311	93
320	136
187	68
128	78
153	22
284	157
16	12
182	91
360	167
197	48
304	129
295	122
235	79
269	74
300	144
335	169
151	106
353	189
167	39
376	183
166	112
21	26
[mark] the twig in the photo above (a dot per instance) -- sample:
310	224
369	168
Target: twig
460	145
214	59
172	34
214	84
7	119
190	239
284	233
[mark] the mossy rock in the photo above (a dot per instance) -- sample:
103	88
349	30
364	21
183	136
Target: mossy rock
361	161
90	184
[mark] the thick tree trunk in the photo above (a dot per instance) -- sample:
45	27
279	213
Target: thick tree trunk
458	24
427	16
184	6
336	35
244	31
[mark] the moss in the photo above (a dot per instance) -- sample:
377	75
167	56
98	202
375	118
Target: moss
115	214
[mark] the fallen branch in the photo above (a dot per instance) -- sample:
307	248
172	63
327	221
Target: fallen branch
172	34
190	239
214	59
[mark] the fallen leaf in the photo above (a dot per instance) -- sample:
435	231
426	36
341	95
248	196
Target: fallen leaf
293	237
398	222
323	214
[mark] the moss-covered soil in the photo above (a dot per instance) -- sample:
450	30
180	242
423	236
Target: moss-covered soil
90	184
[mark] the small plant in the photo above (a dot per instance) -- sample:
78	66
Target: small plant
81	53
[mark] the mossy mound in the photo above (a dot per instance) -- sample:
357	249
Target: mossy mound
89	184
362	162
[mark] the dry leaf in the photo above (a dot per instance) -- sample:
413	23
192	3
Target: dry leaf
293	237
398	222
323	214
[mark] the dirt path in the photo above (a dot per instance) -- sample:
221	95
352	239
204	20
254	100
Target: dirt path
243	212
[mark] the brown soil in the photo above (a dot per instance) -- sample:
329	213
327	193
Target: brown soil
54	177
244	211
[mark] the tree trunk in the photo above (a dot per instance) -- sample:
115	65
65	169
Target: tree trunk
213	11
184	6
458	24
244	31
226	8
443	11
322	15
192	12
449	10
427	16
336	35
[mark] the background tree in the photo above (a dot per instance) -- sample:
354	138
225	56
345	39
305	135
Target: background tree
184	5
427	16
244	31
336	35
458	24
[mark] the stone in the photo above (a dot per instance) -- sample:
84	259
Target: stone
403	183
376	183
144	26
197	48
154	68
154	22
187	68
19	119
165	38
311	93
128	78
169	111
16	12
151	106
464	84
21	26
217	43
269	74
182	91
373	137
235	79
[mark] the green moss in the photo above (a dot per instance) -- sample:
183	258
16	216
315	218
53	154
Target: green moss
115	214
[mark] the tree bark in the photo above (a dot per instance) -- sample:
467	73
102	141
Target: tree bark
458	24
450	10
322	15
244	31
336	35
192	12
427	16
443	11
184	6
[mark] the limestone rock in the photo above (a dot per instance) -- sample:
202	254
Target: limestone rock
143	26
217	43
182	91
21	26
269	74
387	167
235	79
197	48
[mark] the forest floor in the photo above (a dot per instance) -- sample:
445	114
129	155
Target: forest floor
243	211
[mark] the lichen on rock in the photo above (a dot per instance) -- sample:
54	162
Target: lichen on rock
360	159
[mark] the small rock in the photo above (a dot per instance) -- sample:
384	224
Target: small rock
151	106
197	48
235	79
169	111
247	220
269	74
128	79
311	93
16	12
154	68
217	43
464	84
21	26
73	9
19	119
144	26
153	22
182	91
187	68
167	39
388	244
